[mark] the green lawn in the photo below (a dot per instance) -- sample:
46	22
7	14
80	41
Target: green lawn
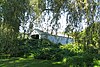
28	62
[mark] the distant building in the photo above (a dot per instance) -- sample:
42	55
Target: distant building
53	38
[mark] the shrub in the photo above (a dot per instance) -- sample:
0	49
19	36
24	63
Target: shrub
50	54
80	61
7	37
72	49
20	49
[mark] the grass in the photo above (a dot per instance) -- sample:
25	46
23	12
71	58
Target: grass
28	62
72	58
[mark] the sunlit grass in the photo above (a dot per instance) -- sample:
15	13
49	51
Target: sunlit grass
29	62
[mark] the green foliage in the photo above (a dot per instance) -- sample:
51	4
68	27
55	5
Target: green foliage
74	48
7	37
80	61
9	42
12	11
82	53
21	51
90	37
96	63
46	50
76	56
43	49
50	54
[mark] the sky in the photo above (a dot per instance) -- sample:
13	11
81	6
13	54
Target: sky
46	24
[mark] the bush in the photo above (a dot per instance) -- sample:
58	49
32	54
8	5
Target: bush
45	49
20	49
72	49
7	37
80	61
50	54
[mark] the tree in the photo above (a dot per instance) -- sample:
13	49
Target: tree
13	12
76	11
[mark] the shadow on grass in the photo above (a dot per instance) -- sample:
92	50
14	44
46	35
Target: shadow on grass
29	62
72	57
